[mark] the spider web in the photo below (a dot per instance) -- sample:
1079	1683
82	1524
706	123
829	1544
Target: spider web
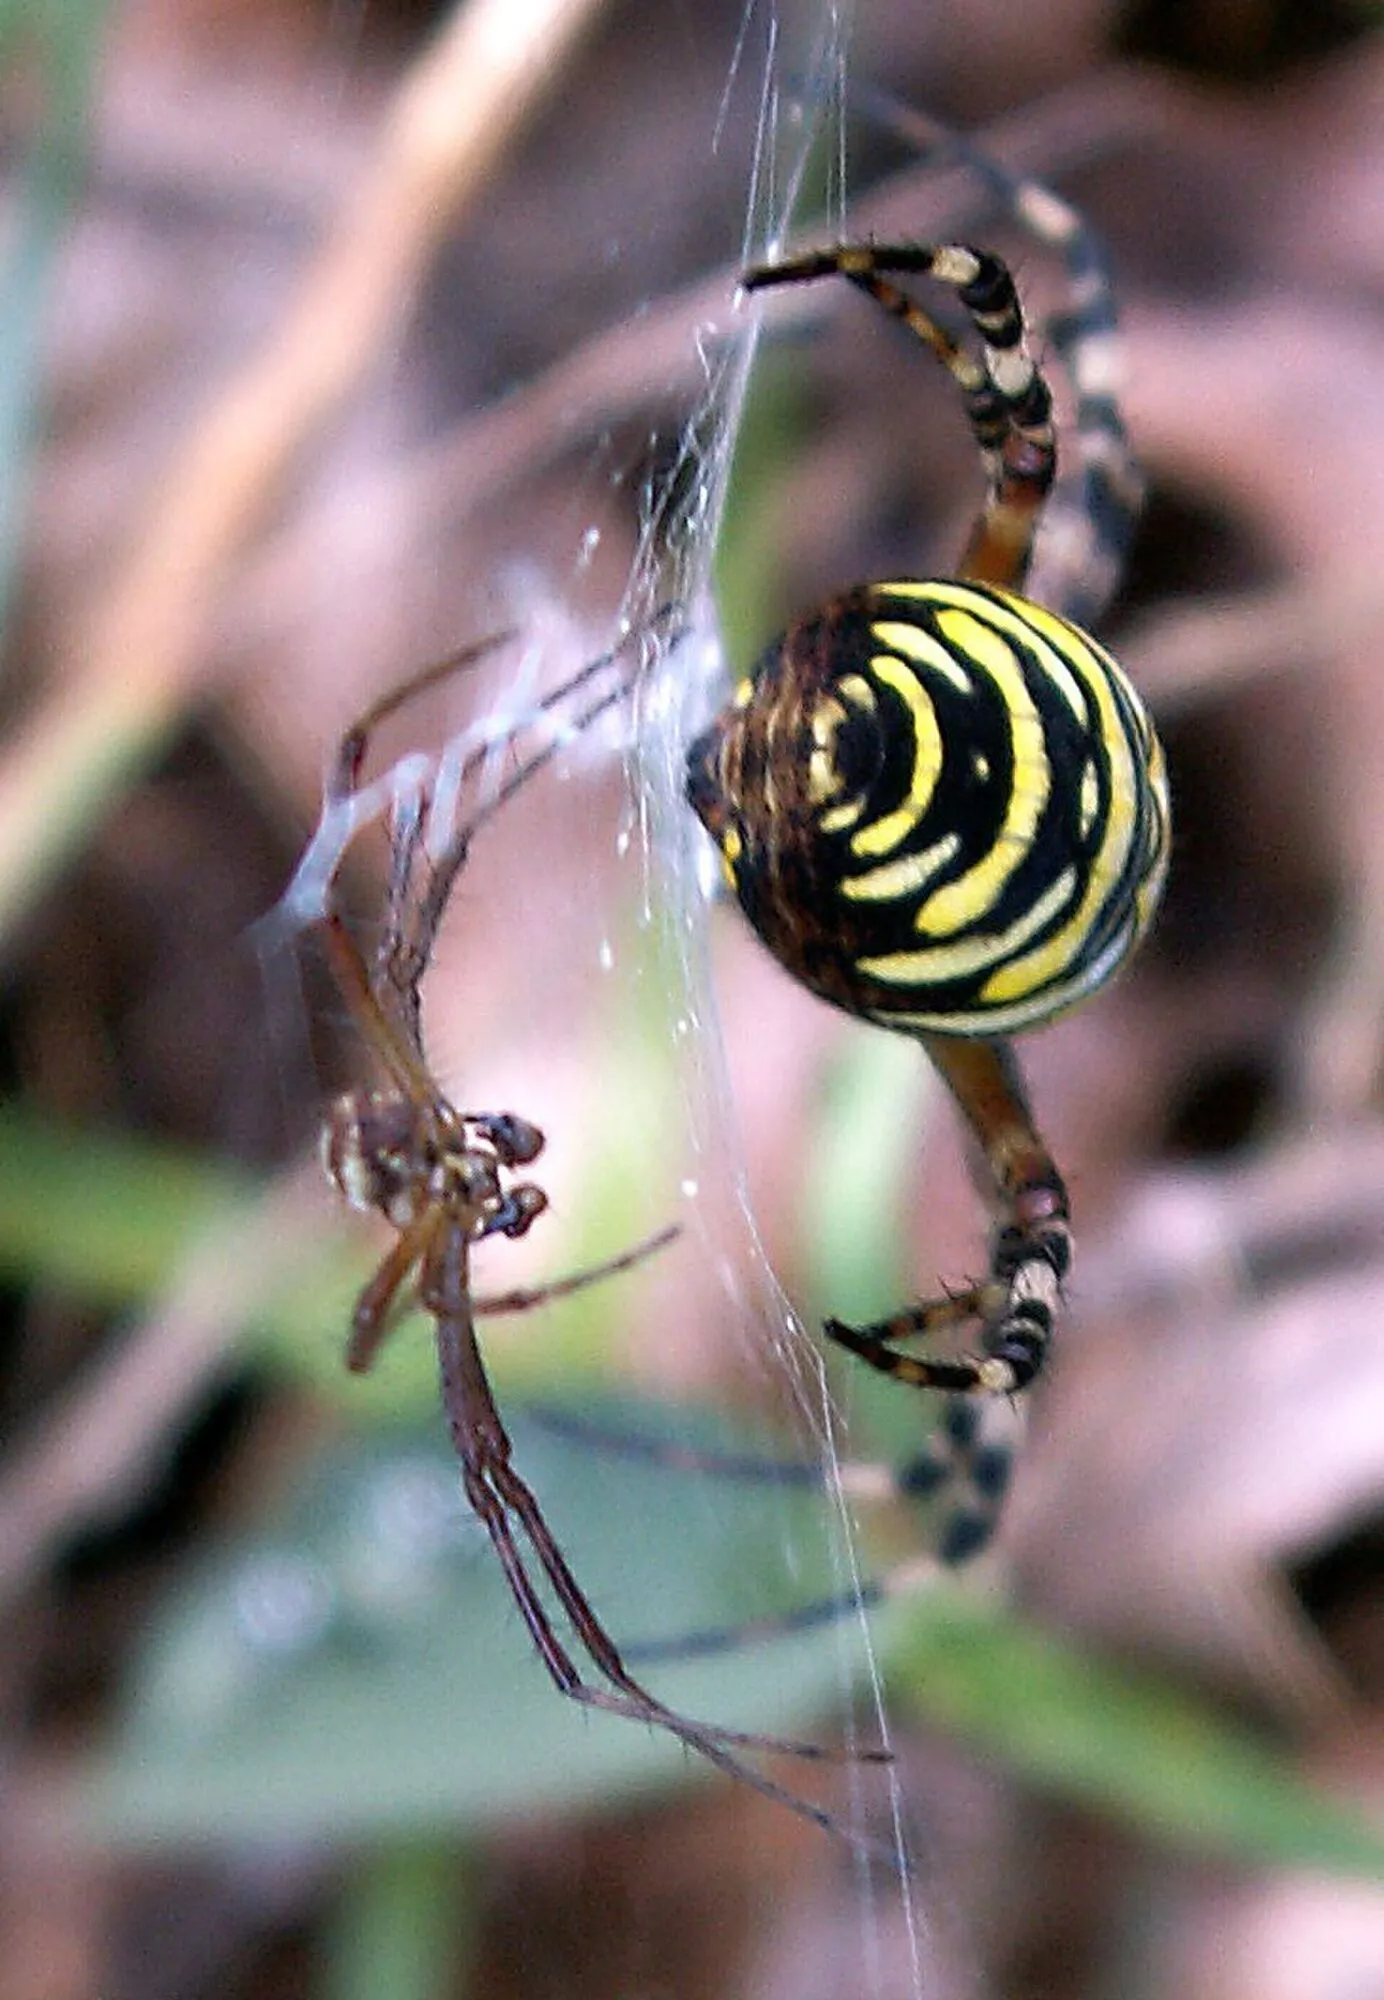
798	96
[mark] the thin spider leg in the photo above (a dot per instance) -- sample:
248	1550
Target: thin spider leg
814	1616
1007	401
402	951
370	1319
903	1579
1091	517
344	777
421	882
663	621
969	1460
629	1696
523	1299
864	1481
966	1462
615	1441
1031	1250
406	1069
1092	522
497	1493
428	859
927	1319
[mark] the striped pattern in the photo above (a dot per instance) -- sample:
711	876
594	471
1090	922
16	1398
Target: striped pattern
941	807
1090	515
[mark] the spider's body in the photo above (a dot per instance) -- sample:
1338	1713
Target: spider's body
436	1175
388	1153
923	799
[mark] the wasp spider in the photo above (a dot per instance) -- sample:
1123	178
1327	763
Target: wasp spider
943	808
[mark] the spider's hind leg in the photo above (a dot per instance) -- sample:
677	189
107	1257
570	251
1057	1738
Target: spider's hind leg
964	1469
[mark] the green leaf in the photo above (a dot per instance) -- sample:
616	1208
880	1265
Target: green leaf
1127	1743
364	1672
104	1218
872	1123
406	1923
61	44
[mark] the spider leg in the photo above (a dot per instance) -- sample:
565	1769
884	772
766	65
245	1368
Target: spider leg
344	777
403	1064
968	1464
370	1319
424	865
616	1441
1030	1248
517	1140
1007	401
965	1467
430	846
500	1497
522	1298
1091	517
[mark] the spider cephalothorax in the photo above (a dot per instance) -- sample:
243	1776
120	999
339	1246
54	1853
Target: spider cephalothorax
386	1153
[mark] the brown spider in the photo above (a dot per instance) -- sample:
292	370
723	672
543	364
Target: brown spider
444	1179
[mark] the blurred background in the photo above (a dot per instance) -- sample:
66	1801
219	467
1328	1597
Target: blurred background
334	336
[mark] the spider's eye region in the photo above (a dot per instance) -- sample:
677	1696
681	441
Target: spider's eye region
948	807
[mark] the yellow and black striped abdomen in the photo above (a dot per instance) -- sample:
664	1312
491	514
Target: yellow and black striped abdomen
941	807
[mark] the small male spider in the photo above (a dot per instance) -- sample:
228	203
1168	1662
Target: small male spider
444	1179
